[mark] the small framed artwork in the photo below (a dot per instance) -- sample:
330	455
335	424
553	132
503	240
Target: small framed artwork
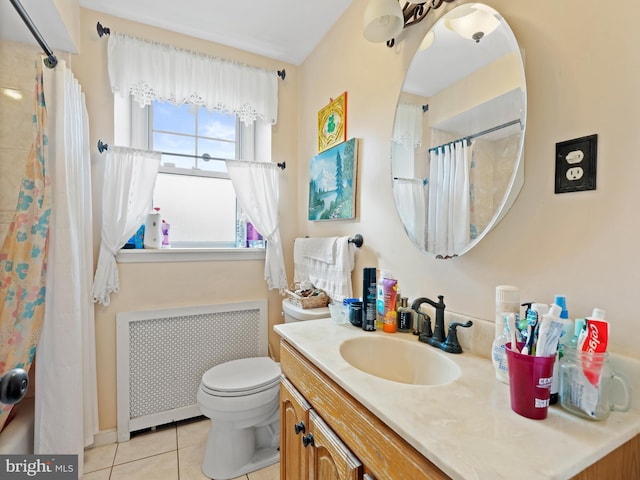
332	182
332	123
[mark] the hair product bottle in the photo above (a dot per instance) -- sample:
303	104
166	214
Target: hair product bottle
369	299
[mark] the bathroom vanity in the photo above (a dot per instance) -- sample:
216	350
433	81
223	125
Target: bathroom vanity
339	422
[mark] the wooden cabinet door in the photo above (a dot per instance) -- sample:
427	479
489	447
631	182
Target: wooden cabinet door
329	458
294	423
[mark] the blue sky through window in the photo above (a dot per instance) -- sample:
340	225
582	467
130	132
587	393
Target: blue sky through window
191	130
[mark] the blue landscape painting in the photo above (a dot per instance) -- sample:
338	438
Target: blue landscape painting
332	182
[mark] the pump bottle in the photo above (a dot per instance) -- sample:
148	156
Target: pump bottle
498	353
507	300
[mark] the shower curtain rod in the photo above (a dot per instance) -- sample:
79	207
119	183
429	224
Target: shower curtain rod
479	134
51	61
423	181
206	157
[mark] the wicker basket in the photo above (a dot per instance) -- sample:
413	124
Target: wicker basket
315	298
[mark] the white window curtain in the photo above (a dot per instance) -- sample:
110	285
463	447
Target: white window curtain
152	71
127	196
66	407
407	128
449	204
407	136
411	196
256	185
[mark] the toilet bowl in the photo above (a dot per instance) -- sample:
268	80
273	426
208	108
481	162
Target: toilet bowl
241	397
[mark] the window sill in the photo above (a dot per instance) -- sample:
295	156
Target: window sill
189	255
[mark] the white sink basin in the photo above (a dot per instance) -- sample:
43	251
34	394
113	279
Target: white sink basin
399	360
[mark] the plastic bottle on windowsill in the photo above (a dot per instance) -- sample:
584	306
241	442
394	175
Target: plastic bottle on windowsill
165	235
241	232
254	239
153	230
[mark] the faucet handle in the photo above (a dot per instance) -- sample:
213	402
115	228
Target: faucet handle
423	330
451	344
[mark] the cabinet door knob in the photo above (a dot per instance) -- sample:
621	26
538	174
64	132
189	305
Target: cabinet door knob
299	428
367	477
308	440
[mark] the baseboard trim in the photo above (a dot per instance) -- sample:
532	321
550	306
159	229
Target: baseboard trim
105	437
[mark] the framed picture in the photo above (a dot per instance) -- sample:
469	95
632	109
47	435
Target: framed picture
332	182
332	123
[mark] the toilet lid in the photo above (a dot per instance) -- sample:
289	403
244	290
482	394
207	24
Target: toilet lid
245	375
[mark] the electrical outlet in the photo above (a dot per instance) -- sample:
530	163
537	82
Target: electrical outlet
576	164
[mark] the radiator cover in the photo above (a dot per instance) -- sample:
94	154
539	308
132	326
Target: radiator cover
162	355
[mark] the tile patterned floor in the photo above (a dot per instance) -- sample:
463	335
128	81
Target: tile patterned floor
172	452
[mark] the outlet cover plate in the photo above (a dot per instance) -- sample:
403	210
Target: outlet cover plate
576	164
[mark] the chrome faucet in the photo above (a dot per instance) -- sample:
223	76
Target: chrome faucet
449	344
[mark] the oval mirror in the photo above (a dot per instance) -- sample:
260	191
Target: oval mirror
456	150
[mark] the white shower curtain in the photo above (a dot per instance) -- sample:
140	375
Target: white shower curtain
66	411
127	197
256	185
449	204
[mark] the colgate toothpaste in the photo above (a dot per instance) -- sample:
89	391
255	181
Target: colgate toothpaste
595	342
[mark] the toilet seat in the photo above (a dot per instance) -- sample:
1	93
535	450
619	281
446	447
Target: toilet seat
242	377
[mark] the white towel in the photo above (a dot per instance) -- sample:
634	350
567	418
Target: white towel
322	249
335	277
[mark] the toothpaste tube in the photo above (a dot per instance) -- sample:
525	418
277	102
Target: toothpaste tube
549	333
596	340
583	394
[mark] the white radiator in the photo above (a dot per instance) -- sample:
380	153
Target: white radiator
162	354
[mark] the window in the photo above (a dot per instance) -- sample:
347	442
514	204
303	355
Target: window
193	190
195	195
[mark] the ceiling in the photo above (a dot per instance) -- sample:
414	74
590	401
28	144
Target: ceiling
46	18
285	30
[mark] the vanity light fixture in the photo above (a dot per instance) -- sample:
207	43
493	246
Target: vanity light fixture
473	22
384	19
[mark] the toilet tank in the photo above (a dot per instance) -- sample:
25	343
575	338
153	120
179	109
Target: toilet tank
294	313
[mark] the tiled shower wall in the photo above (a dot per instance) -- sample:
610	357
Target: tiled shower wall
17	72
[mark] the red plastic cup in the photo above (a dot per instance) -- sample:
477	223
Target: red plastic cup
529	383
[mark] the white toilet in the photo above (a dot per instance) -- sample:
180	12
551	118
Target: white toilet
294	313
241	397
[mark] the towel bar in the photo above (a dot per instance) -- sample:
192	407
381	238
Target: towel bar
357	240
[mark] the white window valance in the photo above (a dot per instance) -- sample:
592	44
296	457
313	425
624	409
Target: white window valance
151	71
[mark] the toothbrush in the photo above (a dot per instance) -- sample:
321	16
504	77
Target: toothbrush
511	322
532	321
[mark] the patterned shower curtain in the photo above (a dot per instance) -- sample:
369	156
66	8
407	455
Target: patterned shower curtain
23	256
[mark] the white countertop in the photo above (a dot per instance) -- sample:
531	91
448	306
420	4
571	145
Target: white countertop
466	427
